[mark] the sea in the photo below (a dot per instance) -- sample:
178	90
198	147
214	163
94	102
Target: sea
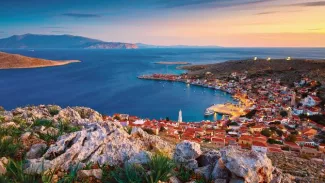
106	80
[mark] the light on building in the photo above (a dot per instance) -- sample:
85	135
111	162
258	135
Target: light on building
269	59
289	58
255	58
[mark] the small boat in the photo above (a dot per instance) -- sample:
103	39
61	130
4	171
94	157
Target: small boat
208	112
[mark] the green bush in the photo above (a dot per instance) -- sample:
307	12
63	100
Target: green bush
65	127
15	173
149	131
161	168
183	174
43	122
128	174
9	148
266	132
53	111
71	177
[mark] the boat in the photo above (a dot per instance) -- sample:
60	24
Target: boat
208	112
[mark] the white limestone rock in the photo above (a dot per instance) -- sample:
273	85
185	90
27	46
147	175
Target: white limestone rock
251	166
186	153
36	151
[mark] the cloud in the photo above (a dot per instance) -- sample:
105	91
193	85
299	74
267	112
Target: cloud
81	15
266	13
315	29
58	31
208	3
53	27
310	4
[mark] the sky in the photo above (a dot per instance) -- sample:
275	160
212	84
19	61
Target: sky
229	23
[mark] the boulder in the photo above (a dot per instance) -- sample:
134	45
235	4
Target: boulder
143	157
174	179
204	171
220	181
97	173
186	153
68	114
208	158
248	165
3	162
9	125
220	171
36	151
50	131
104	143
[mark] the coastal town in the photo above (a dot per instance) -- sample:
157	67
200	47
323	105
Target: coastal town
270	117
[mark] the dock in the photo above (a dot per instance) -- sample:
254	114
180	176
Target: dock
229	109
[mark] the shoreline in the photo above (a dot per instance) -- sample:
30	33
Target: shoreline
173	63
57	63
224	109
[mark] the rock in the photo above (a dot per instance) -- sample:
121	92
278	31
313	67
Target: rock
25	136
208	158
6	138
36	151
204	171
153	142
251	166
220	171
3	162
105	143
98	173
237	180
174	179
220	181
142	157
49	131
186	153
68	114
9	125
279	177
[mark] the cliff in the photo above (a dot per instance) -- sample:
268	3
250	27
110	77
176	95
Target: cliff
34	41
14	61
77	144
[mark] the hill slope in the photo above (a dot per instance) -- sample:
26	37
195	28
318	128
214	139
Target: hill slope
28	41
14	61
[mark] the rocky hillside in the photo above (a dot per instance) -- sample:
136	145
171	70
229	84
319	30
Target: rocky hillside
77	145
287	71
13	61
34	41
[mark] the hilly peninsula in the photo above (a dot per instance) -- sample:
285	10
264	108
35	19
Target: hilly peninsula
35	41
15	61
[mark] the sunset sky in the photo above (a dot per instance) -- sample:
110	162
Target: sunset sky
231	23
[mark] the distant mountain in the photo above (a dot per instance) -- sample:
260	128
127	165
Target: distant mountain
141	45
29	41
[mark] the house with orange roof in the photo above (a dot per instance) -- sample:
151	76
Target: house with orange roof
258	146
292	146
310	150
219	142
256	128
245	140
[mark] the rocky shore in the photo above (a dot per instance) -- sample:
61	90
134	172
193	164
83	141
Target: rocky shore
76	143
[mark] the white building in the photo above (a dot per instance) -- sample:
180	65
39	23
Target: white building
180	118
311	101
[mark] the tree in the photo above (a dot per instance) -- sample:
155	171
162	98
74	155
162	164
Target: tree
266	132
284	113
167	118
291	138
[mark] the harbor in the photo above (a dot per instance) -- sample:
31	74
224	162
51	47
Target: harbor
233	110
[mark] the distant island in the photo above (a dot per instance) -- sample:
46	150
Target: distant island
15	61
143	46
173	63
35	41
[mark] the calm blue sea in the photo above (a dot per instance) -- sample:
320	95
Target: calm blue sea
106	80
